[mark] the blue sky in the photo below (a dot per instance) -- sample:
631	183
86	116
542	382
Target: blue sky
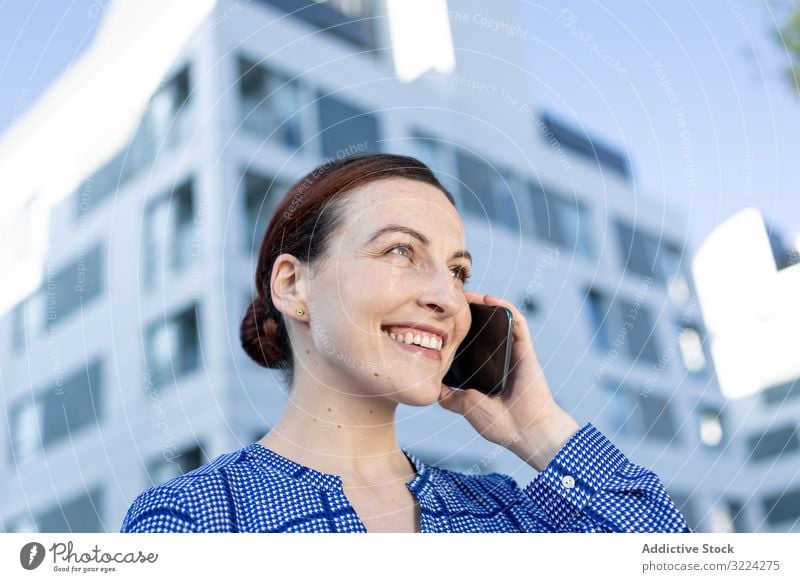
693	91
735	142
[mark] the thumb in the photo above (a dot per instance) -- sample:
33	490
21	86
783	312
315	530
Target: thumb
451	399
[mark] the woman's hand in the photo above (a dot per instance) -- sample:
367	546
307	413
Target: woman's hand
524	419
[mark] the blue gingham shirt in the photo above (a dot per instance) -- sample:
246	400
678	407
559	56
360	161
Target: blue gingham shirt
589	486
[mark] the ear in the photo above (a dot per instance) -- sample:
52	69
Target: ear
289	285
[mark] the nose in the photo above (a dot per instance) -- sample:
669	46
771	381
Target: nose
442	293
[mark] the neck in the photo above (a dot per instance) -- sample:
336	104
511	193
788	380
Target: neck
339	433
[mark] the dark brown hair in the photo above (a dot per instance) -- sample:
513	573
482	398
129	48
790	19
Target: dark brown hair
301	225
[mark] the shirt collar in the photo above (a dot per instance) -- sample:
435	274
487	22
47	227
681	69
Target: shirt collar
419	485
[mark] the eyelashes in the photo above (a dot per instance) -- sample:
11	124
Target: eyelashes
464	273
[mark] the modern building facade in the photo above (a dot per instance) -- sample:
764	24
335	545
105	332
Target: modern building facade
129	262
748	280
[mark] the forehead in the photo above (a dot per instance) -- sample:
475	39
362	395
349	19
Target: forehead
409	202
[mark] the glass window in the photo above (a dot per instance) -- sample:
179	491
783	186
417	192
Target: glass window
711	428
270	103
619	412
476	184
652	256
657	417
622	325
162	469
173	346
598	313
25	425
440	158
77	284
79	514
641	339
780	393
783	509
691	347
560	219
774	442
349	20
73	405
169	229
29	319
738	517
507	210
165	110
345	128
261	195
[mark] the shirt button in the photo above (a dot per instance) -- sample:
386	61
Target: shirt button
568	481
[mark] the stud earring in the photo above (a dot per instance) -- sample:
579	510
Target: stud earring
301	311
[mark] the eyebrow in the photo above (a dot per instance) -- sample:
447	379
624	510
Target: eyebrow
417	235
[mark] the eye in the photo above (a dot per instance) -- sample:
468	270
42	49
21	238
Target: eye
403	246
463	273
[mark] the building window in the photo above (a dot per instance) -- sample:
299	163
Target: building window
29	319
622	325
79	514
173	346
649	256
63	410
712	432
163	469
476	184
738	517
558	134
74	405
774	443
350	20
691	348
783	510
507	210
657	417
562	220
261	195
165	110
270	103
163	125
619	412
169	222
781	393
77	284
68	290
345	128
440	158
25	420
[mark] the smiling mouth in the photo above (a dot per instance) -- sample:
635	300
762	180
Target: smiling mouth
428	352
425	340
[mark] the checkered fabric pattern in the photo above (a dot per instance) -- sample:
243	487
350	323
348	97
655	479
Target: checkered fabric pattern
589	486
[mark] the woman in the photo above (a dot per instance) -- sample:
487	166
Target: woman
359	253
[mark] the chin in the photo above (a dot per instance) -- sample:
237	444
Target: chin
421	394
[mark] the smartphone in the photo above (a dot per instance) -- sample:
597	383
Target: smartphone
483	358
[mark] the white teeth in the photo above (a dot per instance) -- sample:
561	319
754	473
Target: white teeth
426	341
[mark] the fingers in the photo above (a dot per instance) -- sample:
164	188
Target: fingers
449	399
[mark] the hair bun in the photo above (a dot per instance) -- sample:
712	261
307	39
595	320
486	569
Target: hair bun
260	335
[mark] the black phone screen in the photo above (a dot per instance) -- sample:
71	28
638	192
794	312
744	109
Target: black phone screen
483	358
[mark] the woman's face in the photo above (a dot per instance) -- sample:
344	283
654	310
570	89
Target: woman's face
377	279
